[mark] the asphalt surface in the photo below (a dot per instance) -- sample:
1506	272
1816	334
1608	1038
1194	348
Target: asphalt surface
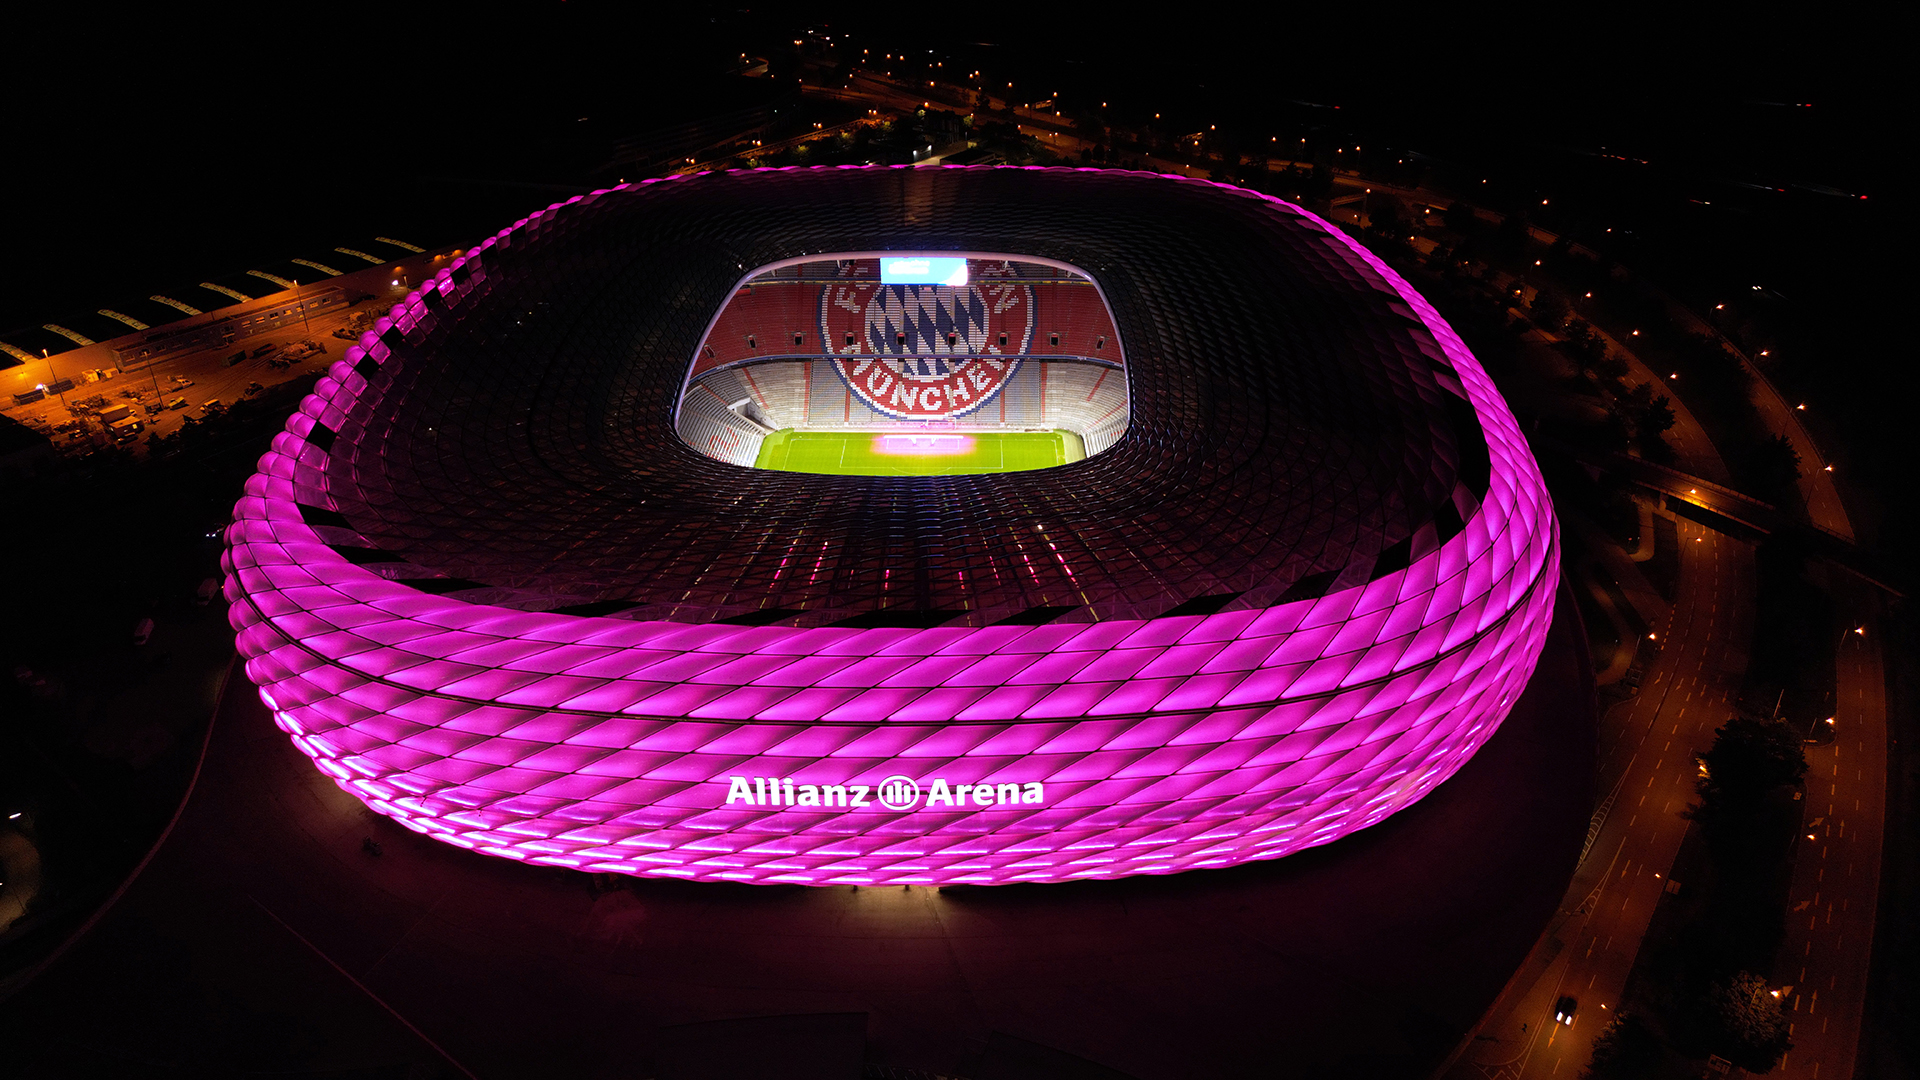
1836	879
264	935
1647	772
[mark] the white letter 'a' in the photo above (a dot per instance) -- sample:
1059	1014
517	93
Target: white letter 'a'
738	791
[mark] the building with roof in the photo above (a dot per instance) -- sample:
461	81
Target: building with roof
511	577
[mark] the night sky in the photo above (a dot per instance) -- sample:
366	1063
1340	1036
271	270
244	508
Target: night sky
182	147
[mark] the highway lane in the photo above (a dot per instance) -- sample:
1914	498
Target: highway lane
1648	768
1836	879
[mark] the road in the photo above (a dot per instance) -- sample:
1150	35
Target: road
1836	873
1647	766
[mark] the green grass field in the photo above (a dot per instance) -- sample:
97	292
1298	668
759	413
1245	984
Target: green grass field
905	453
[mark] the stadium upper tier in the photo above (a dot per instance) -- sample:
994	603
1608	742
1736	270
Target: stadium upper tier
485	583
1293	420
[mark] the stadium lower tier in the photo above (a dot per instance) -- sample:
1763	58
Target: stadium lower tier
727	413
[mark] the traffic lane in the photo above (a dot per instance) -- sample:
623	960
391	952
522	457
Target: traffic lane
1689	694
1607	917
1832	904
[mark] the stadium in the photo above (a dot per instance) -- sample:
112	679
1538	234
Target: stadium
913	526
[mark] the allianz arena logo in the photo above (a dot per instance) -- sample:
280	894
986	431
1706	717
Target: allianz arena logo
896	792
926	352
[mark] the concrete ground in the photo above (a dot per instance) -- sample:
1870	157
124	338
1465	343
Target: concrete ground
264	935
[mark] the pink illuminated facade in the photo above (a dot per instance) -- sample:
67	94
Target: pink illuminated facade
1115	741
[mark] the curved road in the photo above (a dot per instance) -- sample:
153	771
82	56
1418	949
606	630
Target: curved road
1647	771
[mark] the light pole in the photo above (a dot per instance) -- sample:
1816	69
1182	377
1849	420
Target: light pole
53	379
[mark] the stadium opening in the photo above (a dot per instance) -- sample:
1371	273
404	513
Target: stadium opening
886	364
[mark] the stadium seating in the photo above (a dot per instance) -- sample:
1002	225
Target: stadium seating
1083	397
765	348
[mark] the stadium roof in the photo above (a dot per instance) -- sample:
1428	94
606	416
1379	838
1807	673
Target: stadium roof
1301	590
1296	427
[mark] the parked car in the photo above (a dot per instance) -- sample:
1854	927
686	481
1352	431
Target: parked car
142	630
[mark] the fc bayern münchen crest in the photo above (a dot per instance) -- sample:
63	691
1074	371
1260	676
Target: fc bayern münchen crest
924	352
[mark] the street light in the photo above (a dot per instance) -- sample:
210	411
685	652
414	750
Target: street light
52	379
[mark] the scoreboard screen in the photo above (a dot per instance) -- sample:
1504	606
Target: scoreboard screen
920	270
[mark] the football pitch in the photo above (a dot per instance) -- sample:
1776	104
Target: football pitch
915	452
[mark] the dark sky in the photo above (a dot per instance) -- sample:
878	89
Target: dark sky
153	149
179	146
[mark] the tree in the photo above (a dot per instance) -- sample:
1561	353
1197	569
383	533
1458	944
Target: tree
1646	413
1512	235
1550	309
1749	759
1590	353
1748	1023
1772	467
1627	1050
1388	220
1655	418
1460	218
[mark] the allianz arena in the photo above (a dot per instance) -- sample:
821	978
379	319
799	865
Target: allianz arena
511	577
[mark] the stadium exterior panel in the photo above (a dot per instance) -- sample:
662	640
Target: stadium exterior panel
484	581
